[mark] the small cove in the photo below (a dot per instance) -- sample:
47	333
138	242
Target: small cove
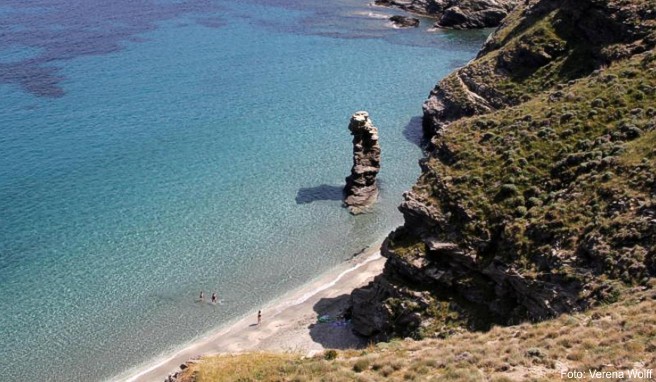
182	148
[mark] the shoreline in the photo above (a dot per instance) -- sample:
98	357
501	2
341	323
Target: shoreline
288	322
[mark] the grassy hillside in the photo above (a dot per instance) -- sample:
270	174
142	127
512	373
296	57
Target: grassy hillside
614	337
560	176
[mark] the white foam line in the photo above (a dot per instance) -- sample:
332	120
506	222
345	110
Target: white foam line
229	326
373	15
308	295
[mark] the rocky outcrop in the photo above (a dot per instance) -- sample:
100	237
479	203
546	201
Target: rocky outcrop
361	189
525	57
459	14
538	194
419	282
459	18
179	375
404	21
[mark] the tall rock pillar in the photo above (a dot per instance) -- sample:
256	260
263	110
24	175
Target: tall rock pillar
361	189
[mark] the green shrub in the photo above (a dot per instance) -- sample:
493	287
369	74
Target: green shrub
330	355
507	190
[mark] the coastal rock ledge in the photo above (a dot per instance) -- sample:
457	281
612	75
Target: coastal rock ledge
361	189
457	14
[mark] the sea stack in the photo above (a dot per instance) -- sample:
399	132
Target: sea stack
361	189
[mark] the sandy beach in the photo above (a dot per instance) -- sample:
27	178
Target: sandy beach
290	323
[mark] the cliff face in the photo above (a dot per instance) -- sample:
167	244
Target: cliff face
459	14
540	46
361	189
538	195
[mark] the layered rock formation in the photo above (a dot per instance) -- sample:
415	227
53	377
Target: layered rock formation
361	189
459	14
543	200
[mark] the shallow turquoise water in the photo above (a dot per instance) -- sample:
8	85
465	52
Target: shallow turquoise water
202	148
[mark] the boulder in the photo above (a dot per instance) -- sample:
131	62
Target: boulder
404	21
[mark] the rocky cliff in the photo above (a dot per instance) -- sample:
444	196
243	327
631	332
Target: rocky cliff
459	14
538	194
361	189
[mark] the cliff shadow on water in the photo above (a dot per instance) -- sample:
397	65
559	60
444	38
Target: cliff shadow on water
413	133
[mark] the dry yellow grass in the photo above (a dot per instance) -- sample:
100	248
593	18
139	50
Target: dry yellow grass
613	337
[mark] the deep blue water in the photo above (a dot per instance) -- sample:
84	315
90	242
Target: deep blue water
150	149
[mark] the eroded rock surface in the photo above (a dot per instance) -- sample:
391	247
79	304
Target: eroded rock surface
361	189
458	14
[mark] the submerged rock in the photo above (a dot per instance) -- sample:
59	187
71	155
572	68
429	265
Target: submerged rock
404	21
361	189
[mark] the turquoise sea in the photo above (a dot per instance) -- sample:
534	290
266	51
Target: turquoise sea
151	149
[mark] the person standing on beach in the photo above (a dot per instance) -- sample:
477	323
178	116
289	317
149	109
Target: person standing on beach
202	296
214	298
259	317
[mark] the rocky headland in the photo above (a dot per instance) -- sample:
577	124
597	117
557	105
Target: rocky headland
537	196
361	190
457	14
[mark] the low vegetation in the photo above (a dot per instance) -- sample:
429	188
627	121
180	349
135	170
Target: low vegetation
613	337
559	174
